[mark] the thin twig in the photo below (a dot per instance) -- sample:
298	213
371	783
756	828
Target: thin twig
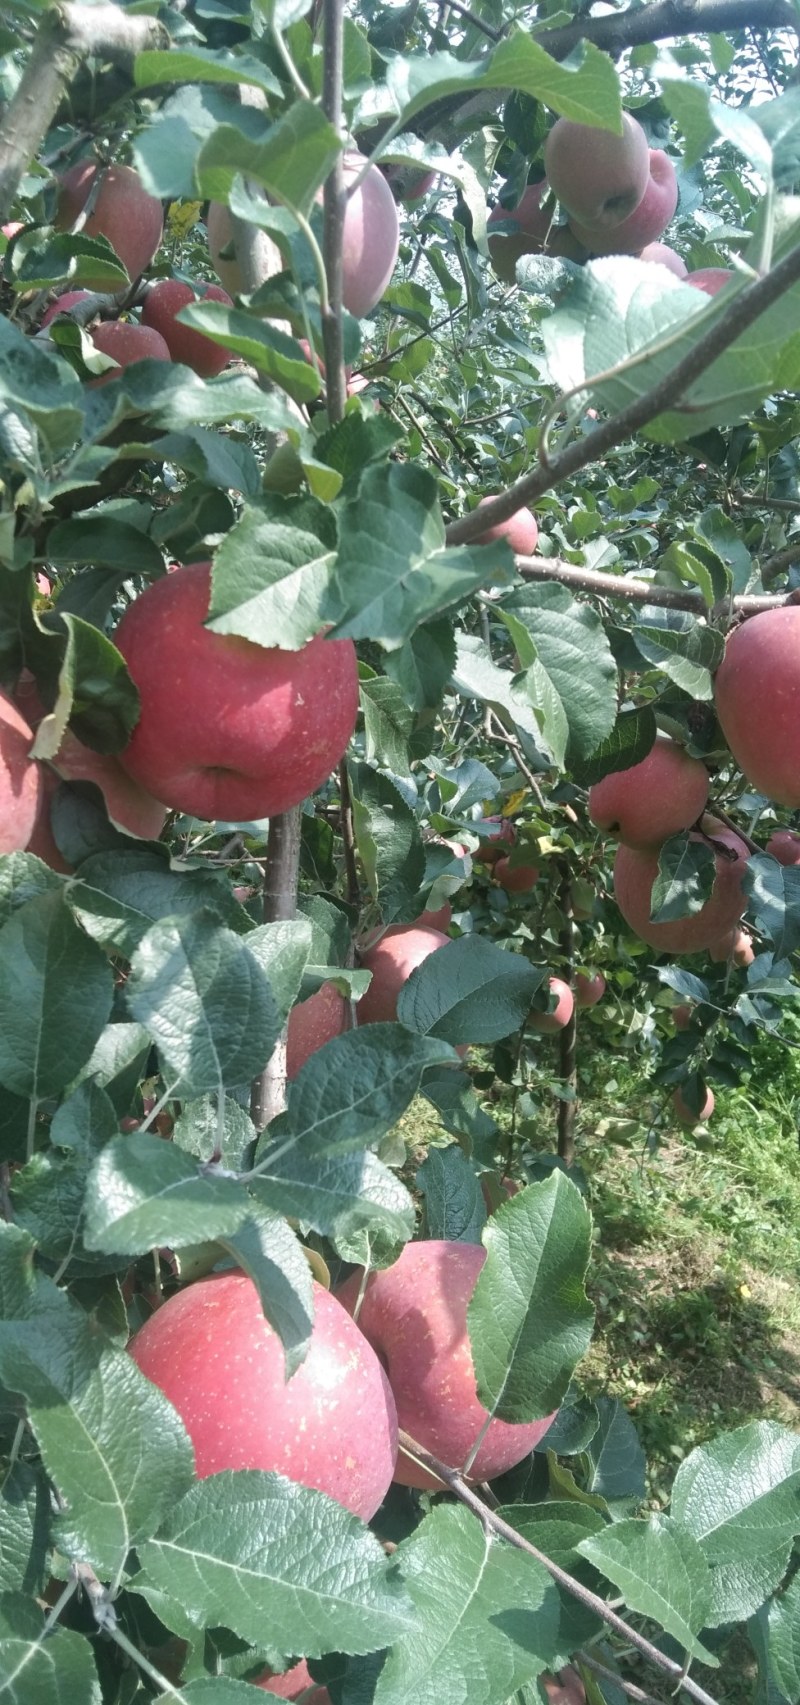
268	1093
348	836
334	208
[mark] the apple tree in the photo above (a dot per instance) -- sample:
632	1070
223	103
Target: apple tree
399	668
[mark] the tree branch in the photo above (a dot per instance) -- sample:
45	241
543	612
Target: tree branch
268	1093
67	34
751	302
641	24
639	591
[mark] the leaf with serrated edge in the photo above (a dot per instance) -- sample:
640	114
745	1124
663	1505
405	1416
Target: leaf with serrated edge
471	991
46	1035
355	1088
662	1573
739	1497
454	1205
33	1671
143	1192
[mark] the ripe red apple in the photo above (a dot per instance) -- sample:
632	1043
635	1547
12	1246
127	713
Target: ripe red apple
547	1023
784	846
440	920
757	696
516	878
684	1111
682	1016
20	779
125	342
736	945
408	189
496	833
598	177
332	1426
521	530
163	303
635	871
589	990
124	213
660	254
229	729
391	962
533	225
11	229
709	279
295	1682
62	305
647	220
415	1316
312	1023
371	236
657	798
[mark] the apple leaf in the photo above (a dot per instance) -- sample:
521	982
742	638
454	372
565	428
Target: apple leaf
341	1198
267	348
266	1248
217	1690
678	644
739	1497
454	1205
458	1107
271	572
117	1064
46	1035
662	1573
353	1090
205	1001
48	1193
388	840
251	1551
477	676
43	258
685	880
388	723
24	1528
571	680
775	1635
215	1133
120	895
529	1321
43	387
488	1617
144	1192
556	1527
107	541
191	64
613	1459
393	571
630	740
774	891
469	991
57	1670
22	877
291	160
586	90
282	951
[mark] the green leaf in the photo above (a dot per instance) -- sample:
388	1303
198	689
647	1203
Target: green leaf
266	1248
458	1107
488	1617
470	991
24	1529
630	740
41	386
48	1193
685	651
213	1133
46	1035
353	1090
587	91
205	1001
774	894
144	1192
22	878
423	666
572	682
117	1063
271	572
529	1321
43	258
291	161
476	676
201	65
613	1461
104	540
388	724
340	1198
454	1204
252	1551
393	570
282	950
739	1497
57	1670
388	840
775	1634
693	561
95	691
686	874
121	894
267	348
555	1528
662	1573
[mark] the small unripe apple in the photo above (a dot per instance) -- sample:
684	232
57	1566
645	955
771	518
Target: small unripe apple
312	1023
515	878
657	798
710	279
414	1314
598	177
213	1354
635	871
547	1023
684	1111
293	1683
533	225
241	731
660	254
589	990
645	223
757	695
124	213
391	962
521	530
163	303
21	784
784	845
126	343
496	833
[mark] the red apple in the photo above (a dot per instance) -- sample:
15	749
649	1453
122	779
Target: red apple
125	342
521	530
533	225
312	1023
757	695
391	962
515	878
657	798
12	229
566	1688
229	729
332	1426
62	305
684	1111
293	1683
710	279
440	920
589	990
163	303
130	219
646	221
635	871
784	846
547	1023
415	1316
20	779
371	236
736	945
682	1016
598	177
496	833
660	254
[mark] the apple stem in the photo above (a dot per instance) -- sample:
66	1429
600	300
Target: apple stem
268	1093
568	1038
494	1523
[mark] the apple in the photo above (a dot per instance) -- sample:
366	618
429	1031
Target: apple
515	878
124	213
219	228
371	236
493	1192
660	254
736	945
62	305
652	800
21	783
228	729
293	1683
216	1358
521	531
646	221
126	342
414	1315
163	303
709	278
391	962
682	1016
635	871
314	1022
598	177
440	920
684	1111
784	846
589	990
12	229
408	189
547	1023
566	1688
496	833
757	697
533	224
